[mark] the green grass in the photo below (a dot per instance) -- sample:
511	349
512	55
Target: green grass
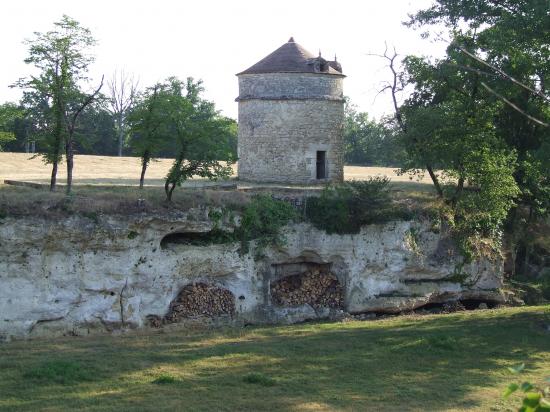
59	371
437	362
258	379
165	379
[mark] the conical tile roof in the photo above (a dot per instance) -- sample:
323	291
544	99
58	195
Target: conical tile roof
289	58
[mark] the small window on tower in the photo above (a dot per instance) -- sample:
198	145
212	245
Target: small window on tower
321	165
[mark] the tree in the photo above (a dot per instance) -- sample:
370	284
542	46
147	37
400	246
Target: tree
147	124
61	58
122	95
96	133
10	116
368	142
202	136
501	47
79	102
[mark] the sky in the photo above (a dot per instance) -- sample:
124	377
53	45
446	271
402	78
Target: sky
213	40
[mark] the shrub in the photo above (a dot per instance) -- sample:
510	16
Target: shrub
262	220
345	207
535	398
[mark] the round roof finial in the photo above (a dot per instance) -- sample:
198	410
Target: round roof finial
291	40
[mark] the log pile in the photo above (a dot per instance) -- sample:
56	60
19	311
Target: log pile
317	287
201	299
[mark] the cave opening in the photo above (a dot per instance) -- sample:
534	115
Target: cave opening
215	236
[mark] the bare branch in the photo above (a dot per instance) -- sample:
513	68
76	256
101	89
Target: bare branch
395	86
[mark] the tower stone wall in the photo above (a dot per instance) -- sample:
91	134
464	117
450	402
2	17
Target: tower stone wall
285	120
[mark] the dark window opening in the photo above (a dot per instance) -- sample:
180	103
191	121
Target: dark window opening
321	165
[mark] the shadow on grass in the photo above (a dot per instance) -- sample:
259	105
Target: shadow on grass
399	364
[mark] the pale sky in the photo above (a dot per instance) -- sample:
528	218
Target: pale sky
214	39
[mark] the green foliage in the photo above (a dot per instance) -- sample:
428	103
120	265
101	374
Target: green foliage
60	371
367	142
10	117
535	398
345	207
202	137
467	117
6	137
262	221
146	122
479	212
53	97
96	132
259	379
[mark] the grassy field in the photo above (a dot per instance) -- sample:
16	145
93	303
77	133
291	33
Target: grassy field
107	170
450	362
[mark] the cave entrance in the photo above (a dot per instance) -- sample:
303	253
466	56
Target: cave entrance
215	236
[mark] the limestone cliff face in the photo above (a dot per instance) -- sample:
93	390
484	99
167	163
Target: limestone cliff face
80	276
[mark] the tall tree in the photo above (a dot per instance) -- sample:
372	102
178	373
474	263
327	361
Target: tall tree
481	113
123	89
147	125
62	59
202	136
96	132
368	142
78	103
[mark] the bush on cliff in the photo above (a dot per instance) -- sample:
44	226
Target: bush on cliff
345	207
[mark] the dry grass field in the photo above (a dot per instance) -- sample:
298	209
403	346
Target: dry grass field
107	170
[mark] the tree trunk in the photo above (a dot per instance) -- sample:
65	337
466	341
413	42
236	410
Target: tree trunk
169	189
435	181
70	162
144	162
458	191
120	135
173	177
53	180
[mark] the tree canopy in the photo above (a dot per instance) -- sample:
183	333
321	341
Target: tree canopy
481	113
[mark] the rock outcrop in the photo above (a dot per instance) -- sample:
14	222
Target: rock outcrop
85	275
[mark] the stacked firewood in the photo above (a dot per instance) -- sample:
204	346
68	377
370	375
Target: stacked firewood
200	299
316	287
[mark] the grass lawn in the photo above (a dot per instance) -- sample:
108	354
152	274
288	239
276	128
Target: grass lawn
438	362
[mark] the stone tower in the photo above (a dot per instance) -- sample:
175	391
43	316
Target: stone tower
291	115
